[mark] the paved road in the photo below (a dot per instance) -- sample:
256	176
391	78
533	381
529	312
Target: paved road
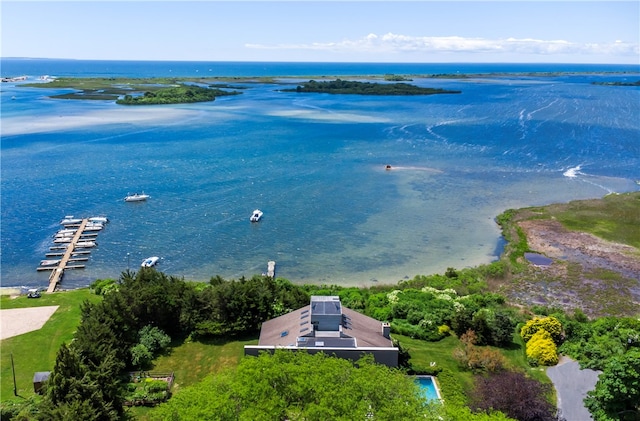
572	385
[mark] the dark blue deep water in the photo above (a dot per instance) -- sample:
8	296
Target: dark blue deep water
314	163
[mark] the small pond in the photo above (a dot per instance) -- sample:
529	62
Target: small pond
538	259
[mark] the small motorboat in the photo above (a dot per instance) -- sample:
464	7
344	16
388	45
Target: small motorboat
99	219
256	215
49	262
65	232
150	262
59	240
86	244
136	197
70	220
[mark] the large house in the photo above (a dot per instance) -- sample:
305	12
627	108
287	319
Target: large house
325	326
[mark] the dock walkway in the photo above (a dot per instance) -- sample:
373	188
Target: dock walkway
58	270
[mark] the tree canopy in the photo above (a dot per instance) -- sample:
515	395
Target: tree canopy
617	392
340	86
175	95
299	386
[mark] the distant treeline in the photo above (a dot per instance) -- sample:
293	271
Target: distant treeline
340	86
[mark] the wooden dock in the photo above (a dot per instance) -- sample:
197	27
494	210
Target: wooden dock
58	271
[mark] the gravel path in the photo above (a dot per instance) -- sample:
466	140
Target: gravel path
572	385
16	321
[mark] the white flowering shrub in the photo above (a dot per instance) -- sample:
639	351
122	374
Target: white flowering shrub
393	296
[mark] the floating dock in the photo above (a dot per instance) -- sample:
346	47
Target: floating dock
58	271
70	246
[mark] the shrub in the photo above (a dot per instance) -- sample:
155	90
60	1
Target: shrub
514	394
542	349
477	358
444	330
549	324
104	286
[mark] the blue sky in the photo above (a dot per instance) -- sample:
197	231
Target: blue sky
349	31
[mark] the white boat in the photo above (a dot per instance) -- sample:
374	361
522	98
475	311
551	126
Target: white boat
150	261
59	240
49	262
66	231
70	220
85	244
136	197
99	219
256	215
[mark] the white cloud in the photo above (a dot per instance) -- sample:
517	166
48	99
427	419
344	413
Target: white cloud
396	43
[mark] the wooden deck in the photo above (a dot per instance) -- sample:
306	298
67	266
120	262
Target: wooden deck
58	271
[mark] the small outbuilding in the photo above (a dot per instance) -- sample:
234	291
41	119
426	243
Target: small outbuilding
38	380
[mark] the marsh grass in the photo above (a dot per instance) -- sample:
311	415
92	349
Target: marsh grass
616	217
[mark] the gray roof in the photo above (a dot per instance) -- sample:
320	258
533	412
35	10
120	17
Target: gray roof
324	305
41	376
361	331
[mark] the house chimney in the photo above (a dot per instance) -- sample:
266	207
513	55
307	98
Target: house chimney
386	329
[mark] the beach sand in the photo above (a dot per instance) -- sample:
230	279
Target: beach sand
16	321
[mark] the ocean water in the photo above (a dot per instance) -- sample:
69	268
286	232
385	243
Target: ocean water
314	163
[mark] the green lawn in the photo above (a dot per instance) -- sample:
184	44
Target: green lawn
36	351
423	353
192	361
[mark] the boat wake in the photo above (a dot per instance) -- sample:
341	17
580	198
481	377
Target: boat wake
573	172
427	169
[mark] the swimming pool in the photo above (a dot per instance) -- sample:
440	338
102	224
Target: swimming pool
429	387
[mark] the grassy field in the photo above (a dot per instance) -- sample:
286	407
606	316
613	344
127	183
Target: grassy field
616	217
36	351
192	361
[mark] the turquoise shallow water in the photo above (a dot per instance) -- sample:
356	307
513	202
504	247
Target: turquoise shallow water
315	164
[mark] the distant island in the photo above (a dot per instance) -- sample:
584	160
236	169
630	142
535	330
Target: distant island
137	91
340	86
636	83
182	94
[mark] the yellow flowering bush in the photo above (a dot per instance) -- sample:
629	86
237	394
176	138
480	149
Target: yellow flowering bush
541	348
549	324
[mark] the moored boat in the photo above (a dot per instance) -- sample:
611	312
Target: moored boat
70	220
150	261
256	215
85	244
58	240
136	197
